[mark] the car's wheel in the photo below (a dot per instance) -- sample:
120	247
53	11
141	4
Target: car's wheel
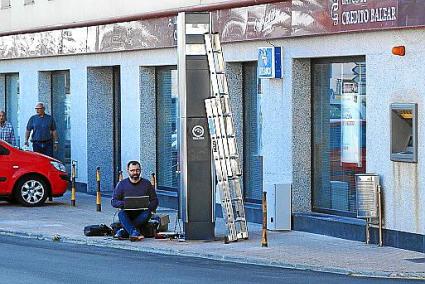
31	191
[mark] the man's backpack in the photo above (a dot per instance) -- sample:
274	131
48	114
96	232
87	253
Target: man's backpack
97	230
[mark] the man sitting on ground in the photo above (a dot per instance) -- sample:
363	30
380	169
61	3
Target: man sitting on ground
134	185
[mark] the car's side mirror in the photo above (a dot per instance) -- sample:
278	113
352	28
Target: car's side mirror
4	151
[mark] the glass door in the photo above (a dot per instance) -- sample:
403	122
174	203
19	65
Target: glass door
12	103
166	114
61	112
252	160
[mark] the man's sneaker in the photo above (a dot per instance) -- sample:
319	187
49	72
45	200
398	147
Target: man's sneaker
136	236
121	234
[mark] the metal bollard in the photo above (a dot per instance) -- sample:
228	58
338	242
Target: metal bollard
264	242
380	215
153	181
98	197
73	174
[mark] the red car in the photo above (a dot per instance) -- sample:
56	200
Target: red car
29	177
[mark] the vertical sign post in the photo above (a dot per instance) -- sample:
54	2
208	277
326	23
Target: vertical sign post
196	198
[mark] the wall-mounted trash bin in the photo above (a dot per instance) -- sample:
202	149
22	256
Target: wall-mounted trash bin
367	195
369	202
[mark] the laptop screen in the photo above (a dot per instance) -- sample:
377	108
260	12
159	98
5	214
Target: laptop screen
136	202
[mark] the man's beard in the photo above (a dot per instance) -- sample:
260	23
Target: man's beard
135	176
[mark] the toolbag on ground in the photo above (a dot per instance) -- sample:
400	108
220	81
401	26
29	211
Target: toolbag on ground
148	230
97	230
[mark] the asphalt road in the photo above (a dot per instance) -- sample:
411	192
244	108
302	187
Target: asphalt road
35	261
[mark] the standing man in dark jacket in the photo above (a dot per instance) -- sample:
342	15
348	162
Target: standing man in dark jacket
134	185
44	135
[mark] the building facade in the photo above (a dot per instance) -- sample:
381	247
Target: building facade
110	80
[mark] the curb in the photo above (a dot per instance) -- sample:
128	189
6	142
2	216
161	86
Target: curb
241	260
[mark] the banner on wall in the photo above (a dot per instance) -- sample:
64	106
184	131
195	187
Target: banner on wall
350	124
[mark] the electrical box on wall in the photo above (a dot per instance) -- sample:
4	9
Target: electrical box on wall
404	132
279	209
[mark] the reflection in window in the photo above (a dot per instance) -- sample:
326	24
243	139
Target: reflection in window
166	110
339	133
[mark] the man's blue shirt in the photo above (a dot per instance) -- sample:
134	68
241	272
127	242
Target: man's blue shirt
41	127
127	188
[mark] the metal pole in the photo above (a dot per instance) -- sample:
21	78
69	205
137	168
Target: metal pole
264	231
380	215
155	186
367	231
98	196
73	174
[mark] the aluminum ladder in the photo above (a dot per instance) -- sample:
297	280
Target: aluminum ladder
223	144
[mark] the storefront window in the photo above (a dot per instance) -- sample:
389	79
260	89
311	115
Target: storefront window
166	111
339	133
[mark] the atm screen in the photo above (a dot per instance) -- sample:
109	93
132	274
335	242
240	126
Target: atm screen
410	142
409	145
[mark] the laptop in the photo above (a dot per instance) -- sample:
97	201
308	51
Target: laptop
136	202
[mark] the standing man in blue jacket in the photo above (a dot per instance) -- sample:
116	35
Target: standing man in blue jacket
134	185
44	135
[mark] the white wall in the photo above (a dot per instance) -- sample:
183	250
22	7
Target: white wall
45	13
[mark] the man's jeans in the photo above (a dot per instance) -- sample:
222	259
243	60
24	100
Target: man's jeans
131	220
45	148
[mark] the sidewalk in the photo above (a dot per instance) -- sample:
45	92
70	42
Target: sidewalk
293	249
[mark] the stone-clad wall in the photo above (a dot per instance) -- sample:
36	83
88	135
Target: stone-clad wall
301	136
99	127
147	120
